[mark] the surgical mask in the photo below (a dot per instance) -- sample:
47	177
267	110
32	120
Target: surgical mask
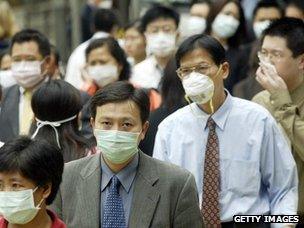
259	27
6	78
161	44
53	124
199	87
103	75
18	207
194	25
225	26
27	73
117	146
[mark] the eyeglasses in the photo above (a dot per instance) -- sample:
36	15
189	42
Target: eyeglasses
272	55
182	73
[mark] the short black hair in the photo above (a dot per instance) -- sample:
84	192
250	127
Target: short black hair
267	4
202	41
118	92
105	20
158	12
115	50
35	160
27	35
56	54
290	29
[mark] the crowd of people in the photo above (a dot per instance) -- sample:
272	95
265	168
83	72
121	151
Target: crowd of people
181	122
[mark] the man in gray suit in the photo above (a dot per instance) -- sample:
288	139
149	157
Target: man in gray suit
121	186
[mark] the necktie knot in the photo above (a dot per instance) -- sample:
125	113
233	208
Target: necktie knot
211	124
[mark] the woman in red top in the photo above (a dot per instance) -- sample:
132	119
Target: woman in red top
30	175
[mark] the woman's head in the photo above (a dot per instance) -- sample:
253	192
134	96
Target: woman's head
135	43
30	164
229	24
106	62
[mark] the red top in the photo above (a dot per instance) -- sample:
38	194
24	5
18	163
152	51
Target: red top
56	222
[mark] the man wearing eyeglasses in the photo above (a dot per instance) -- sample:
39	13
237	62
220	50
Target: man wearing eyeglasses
160	25
281	73
234	148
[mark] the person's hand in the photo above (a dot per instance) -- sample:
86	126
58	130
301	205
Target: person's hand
269	79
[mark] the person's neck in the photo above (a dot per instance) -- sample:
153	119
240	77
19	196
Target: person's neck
162	61
295	84
217	102
116	168
221	40
41	220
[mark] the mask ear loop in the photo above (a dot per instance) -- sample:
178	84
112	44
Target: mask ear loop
211	100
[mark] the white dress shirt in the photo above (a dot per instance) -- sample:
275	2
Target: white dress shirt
147	74
77	61
258	172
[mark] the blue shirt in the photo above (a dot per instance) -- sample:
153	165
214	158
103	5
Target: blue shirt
258	172
126	177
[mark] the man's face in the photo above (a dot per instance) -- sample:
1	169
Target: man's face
274	49
135	43
269	13
202	61
28	51
123	116
200	10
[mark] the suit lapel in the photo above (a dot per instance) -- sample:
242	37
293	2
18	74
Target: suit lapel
90	193
145	196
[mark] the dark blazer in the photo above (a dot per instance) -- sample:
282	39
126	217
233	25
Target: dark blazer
164	195
9	115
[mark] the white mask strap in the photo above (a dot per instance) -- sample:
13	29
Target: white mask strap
54	124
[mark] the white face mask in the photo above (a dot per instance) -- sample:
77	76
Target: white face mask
27	73
18	207
225	26
6	78
161	44
259	27
195	25
103	75
198	87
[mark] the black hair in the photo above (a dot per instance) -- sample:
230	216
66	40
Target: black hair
55	51
290	29
172	90
267	4
58	100
205	42
105	20
27	35
118	92
240	35
158	12
36	160
136	25
116	51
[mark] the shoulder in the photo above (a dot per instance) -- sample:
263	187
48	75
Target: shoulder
243	106
262	97
56	222
144	65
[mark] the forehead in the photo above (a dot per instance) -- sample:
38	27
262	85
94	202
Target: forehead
122	110
274	43
195	57
99	52
231	7
269	13
25	48
160	22
200	9
132	32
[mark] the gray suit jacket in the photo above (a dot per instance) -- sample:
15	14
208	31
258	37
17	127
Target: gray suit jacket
164	195
9	115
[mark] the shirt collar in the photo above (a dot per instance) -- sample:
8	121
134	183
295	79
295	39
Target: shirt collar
125	176
100	34
297	94
220	116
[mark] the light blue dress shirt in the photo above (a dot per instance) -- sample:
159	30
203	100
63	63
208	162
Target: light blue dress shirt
126	177
258	172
